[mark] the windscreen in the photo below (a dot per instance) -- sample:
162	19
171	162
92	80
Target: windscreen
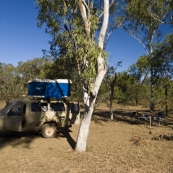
6	108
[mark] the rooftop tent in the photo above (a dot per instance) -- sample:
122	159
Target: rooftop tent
55	89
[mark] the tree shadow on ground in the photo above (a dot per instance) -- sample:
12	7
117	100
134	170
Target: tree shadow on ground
127	117
15	139
168	121
65	133
97	119
123	116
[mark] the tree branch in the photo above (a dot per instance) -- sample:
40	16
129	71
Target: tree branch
82	8
83	1
109	7
104	24
111	30
131	34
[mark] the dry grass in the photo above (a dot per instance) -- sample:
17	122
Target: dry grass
111	148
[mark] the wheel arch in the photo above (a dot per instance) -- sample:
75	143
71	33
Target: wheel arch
56	124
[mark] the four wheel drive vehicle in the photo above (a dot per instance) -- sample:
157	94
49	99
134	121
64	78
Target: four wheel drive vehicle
39	115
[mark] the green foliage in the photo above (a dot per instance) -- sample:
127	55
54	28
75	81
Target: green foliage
14	80
162	64
124	80
127	91
149	13
9	82
138	93
69	39
63	68
142	64
162	61
148	9
143	19
30	69
140	70
103	92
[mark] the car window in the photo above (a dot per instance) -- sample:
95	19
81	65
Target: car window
35	107
57	107
16	110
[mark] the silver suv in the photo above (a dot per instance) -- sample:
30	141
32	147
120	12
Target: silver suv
39	115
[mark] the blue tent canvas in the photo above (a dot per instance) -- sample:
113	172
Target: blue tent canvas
55	89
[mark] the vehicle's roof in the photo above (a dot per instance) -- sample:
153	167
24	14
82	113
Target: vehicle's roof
24	101
32	100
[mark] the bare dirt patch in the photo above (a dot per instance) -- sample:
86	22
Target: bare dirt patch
110	149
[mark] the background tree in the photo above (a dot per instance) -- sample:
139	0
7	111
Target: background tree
139	71
162	64
9	79
29	70
143	21
110	82
124	81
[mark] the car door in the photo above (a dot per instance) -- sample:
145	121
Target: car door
13	118
35	114
1	121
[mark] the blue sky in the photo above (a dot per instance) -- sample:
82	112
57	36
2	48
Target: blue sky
22	40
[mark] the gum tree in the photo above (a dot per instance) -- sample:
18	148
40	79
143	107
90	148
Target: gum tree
162	64
80	30
139	71
143	21
110	83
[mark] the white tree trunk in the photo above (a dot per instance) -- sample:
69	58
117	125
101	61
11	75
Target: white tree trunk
84	128
112	115
89	102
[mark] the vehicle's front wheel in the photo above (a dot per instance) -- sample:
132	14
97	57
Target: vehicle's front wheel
48	130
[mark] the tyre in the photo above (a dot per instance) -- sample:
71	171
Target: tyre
48	130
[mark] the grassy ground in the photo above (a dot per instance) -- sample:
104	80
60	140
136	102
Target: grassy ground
118	146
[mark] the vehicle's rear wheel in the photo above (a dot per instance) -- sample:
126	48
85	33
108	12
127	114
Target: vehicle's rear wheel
48	130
